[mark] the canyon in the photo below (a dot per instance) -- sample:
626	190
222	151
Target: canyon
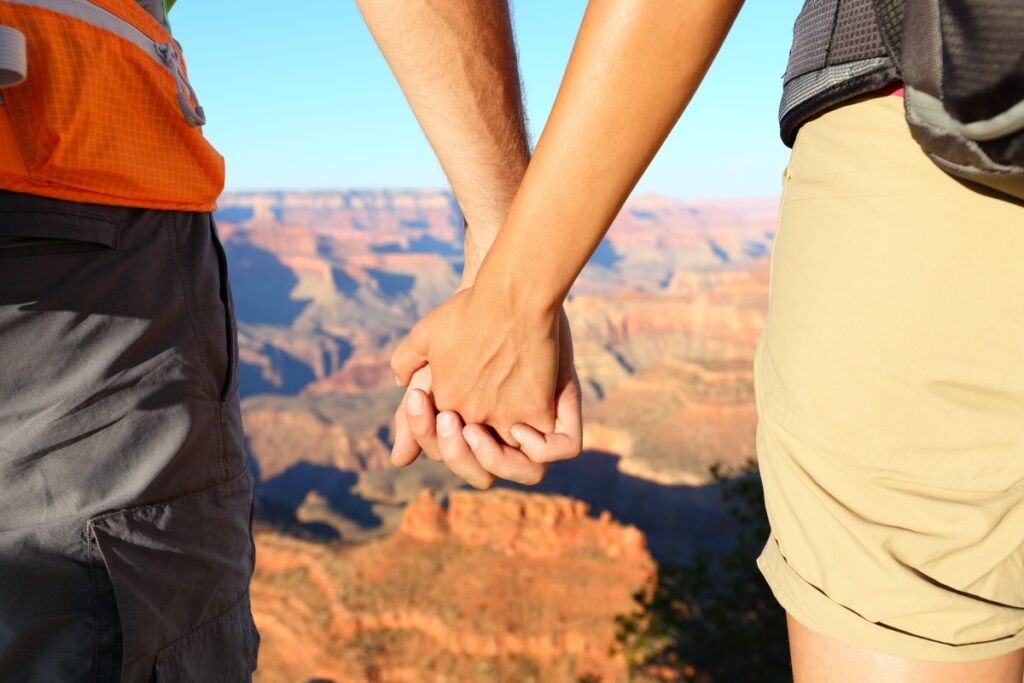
357	557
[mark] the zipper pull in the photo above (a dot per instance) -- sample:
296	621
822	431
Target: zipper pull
194	116
13	57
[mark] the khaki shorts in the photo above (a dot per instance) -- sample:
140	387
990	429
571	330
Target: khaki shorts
889	384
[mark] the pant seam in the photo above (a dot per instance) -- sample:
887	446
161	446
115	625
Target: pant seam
189	304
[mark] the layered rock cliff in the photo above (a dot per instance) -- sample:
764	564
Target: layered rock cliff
497	586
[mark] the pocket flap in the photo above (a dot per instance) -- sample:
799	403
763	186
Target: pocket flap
177	567
53	225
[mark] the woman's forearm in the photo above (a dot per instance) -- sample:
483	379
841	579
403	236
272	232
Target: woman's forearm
634	67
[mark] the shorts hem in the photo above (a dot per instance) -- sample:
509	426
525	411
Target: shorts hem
816	611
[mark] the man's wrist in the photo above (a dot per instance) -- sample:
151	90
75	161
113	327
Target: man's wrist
477	241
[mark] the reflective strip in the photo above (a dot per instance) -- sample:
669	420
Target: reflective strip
98	17
929	110
13	58
164	54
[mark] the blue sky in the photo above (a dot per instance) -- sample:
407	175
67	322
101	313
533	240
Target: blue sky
298	96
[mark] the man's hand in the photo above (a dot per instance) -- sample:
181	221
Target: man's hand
416	420
417	426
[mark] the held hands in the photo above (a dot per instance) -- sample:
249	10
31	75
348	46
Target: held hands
474	358
486	364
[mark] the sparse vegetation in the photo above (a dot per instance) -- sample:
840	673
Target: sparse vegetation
714	618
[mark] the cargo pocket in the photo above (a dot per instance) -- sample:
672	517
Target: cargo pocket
230	383
37	233
180	572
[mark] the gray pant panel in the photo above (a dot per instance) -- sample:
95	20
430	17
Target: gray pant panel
125	500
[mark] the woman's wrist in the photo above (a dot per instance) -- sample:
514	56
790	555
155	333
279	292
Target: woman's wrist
528	296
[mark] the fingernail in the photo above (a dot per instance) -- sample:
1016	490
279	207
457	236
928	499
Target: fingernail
517	434
471	437
398	381
416	403
446	424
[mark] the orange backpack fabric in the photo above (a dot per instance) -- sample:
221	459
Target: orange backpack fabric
101	118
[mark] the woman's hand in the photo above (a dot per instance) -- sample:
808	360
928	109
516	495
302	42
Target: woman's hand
490	363
528	464
442	436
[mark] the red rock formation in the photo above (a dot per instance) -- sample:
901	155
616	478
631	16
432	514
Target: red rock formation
530	596
424	519
517	525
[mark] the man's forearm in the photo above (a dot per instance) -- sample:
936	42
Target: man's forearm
633	69
456	63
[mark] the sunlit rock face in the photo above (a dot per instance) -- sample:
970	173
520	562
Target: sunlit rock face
498	586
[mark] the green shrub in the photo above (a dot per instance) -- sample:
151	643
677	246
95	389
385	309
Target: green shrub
714	618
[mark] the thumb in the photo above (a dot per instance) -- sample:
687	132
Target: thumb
409	356
569	407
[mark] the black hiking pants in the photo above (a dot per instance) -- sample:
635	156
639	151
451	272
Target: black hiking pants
125	500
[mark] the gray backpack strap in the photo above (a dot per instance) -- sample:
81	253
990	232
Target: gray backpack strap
13	58
962	66
889	17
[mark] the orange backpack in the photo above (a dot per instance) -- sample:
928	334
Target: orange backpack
105	113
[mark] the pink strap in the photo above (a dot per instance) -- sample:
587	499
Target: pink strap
894	88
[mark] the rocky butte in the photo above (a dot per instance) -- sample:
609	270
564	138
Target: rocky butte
495	586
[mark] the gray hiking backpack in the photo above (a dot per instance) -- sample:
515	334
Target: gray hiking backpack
962	67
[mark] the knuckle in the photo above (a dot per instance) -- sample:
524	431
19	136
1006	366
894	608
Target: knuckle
416	335
448	456
543	458
534	477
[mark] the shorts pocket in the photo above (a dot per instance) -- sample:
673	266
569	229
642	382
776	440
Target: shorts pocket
180	572
35	233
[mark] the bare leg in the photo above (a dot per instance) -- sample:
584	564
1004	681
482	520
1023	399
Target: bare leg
820	659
